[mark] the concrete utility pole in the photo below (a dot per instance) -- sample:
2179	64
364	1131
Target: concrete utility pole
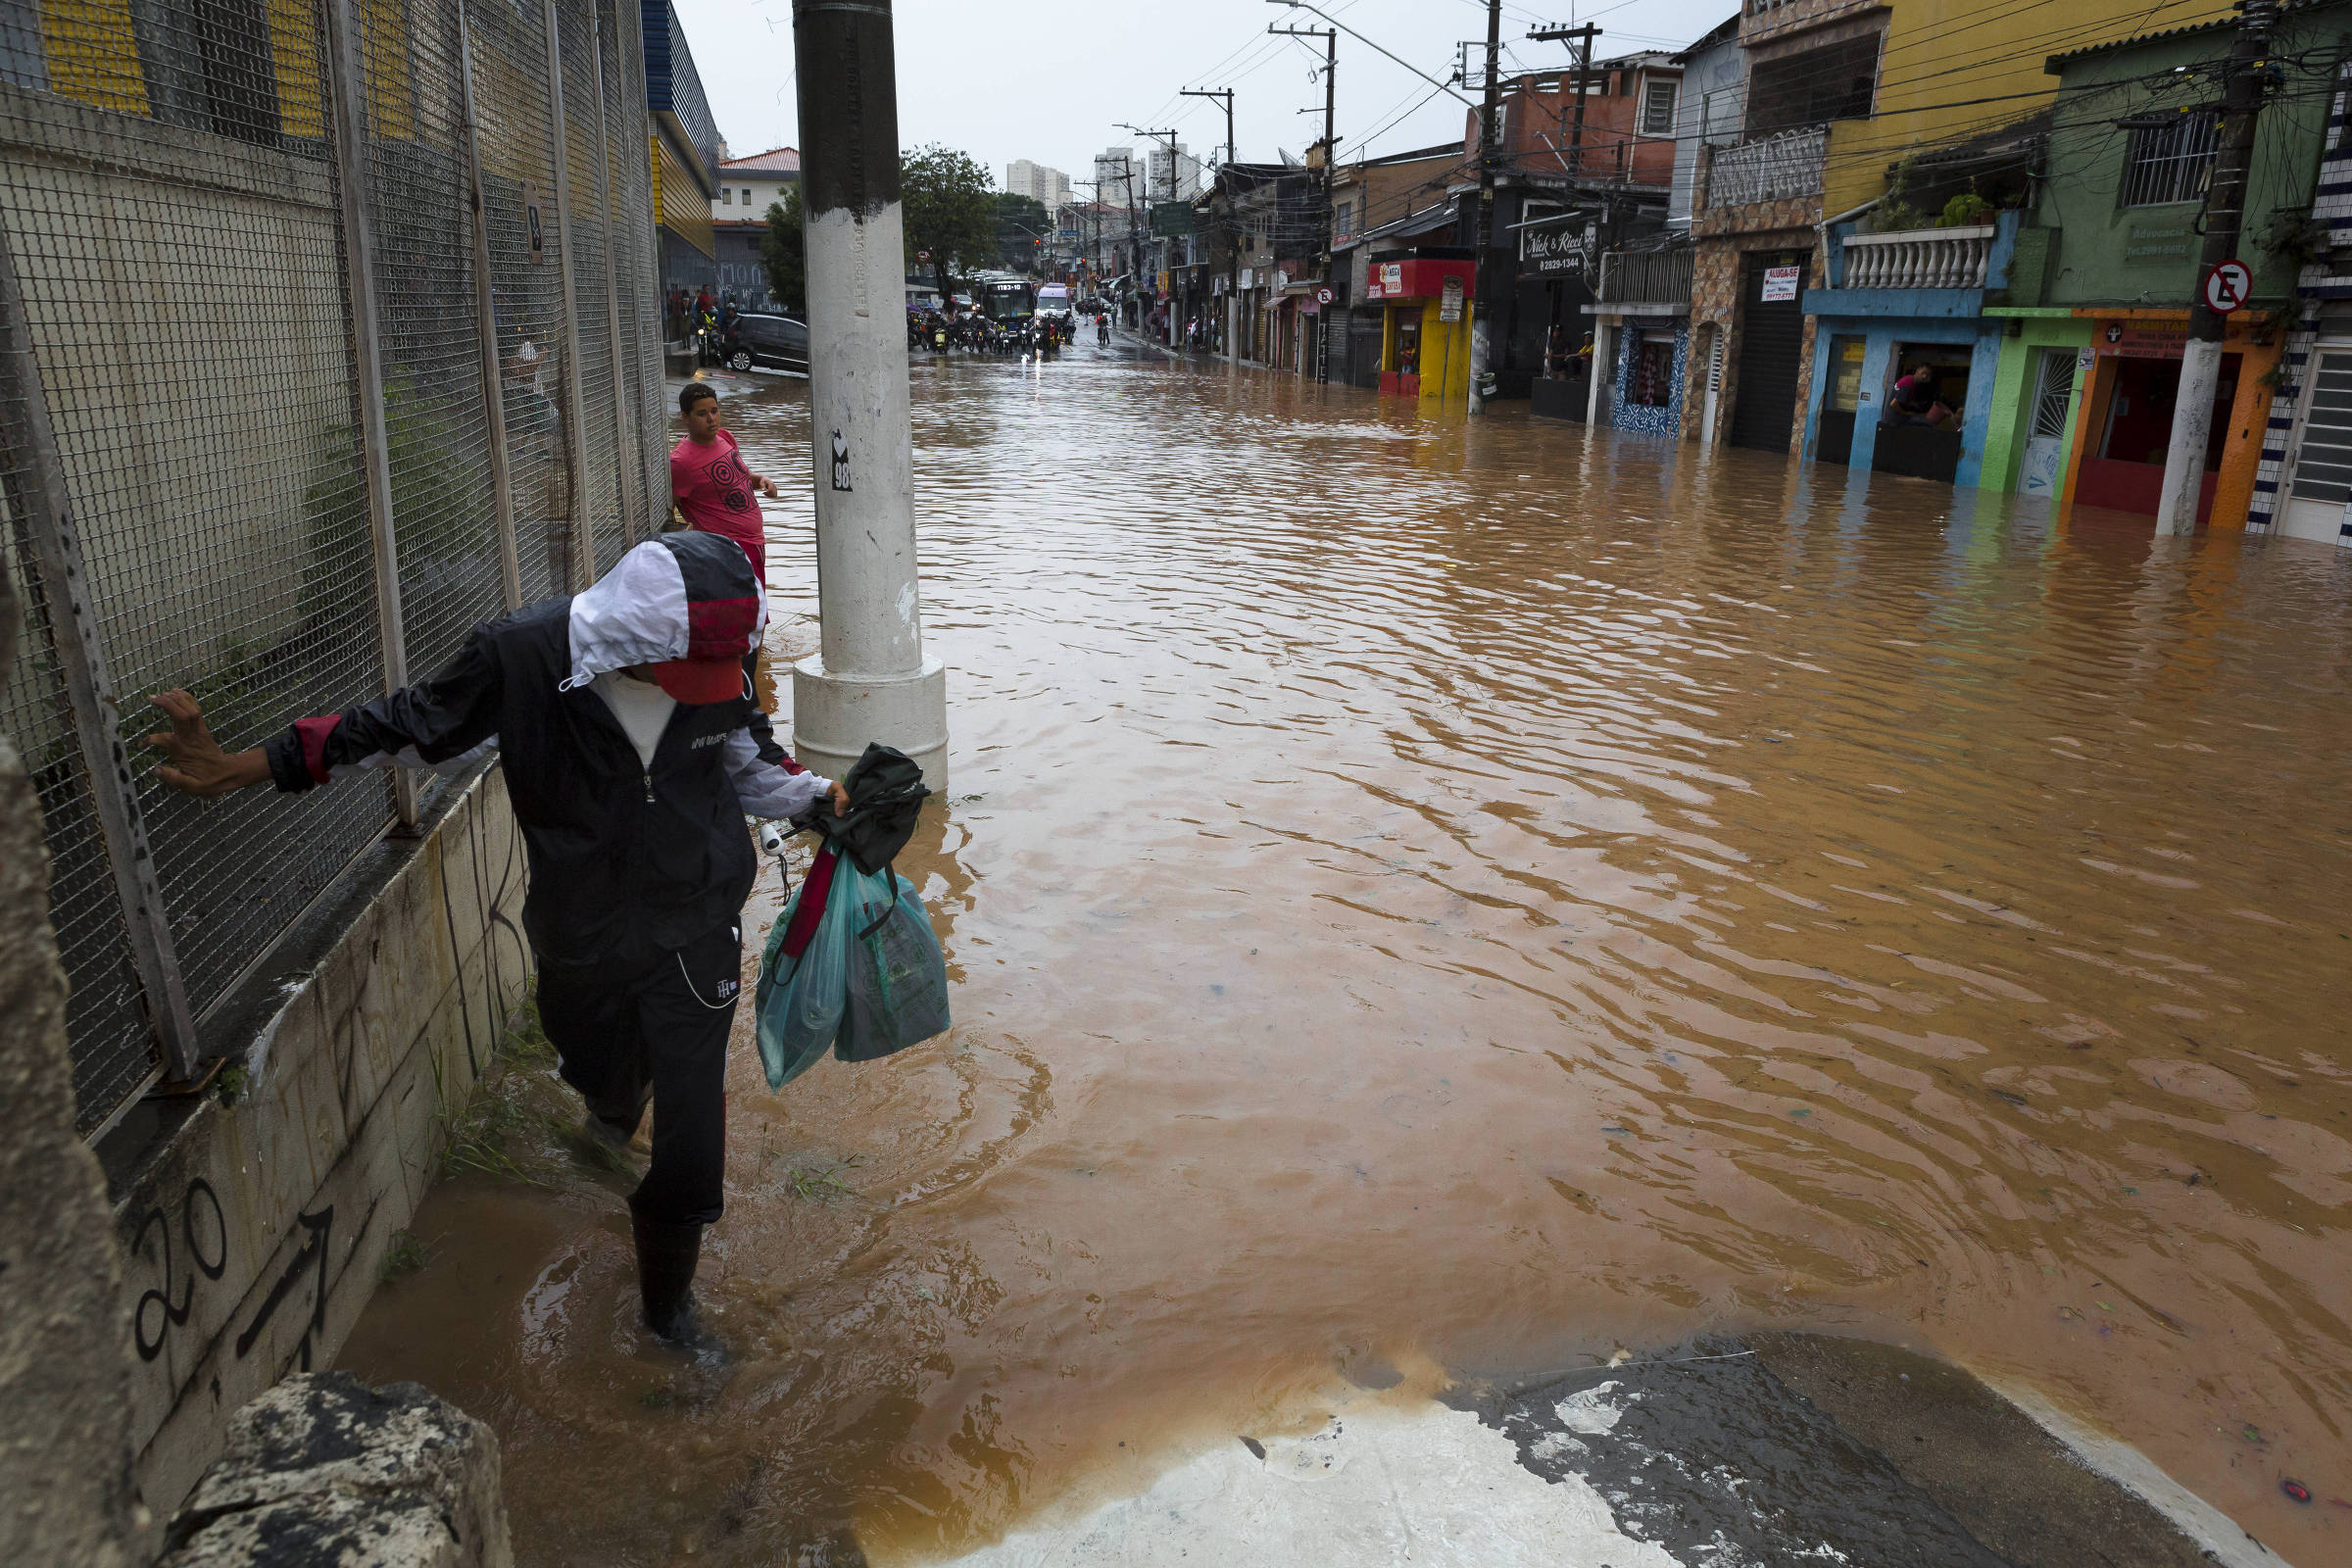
2224	215
1490	152
1169	324
1233	255
870	680
1331	71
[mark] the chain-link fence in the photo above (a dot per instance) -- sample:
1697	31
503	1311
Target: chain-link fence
254	352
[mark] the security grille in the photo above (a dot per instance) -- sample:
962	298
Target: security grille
2054	392
188	466
2172	164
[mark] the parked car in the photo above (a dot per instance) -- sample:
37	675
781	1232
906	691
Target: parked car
773	342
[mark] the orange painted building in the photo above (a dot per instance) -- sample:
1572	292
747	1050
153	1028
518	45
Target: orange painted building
2124	415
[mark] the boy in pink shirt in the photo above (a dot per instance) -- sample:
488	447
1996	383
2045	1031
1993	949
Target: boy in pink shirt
711	483
713	489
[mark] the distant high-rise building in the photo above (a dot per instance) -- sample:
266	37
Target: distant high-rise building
1116	170
1187	174
1049	186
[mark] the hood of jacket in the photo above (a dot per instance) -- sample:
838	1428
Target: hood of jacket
684	595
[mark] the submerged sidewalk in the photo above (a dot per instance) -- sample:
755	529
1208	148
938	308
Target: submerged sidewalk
1780	1449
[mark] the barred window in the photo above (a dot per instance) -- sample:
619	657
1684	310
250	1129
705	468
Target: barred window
2171	165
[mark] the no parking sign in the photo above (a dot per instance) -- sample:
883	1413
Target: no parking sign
2227	287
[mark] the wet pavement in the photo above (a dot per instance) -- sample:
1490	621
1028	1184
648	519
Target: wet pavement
1441	905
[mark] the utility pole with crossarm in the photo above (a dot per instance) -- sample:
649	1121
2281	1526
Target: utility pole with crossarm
1233	252
1331	70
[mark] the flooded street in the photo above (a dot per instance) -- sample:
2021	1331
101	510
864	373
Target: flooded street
1436	900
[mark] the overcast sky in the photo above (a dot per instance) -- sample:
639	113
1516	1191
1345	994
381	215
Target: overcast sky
1051	79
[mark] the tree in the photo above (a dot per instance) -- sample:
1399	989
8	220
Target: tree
949	212
1021	221
784	252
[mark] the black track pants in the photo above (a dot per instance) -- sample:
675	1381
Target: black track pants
625	1034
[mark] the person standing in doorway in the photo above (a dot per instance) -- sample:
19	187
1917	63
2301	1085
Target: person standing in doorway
621	721
714	491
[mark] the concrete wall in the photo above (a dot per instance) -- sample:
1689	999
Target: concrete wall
254	1231
64	1464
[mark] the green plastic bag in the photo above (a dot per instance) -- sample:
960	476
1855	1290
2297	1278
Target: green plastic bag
898	976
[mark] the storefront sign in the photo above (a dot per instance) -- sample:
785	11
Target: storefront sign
1420	279
1550	251
2143	341
1450	302
1780	284
1248	277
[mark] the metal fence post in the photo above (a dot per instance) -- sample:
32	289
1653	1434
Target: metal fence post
346	80
73	634
485	316
575	454
622	447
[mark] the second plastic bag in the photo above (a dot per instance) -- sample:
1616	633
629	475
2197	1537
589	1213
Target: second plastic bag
898	975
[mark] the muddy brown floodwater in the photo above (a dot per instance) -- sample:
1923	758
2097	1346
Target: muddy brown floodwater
1472	897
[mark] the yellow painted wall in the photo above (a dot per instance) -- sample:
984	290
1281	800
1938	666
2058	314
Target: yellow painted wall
92	55
1941	56
1444	355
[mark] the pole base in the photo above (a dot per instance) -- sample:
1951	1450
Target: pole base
835	716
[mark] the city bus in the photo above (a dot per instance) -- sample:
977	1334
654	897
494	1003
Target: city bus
1008	300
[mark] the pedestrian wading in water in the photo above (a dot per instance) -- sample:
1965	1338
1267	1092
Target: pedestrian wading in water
632	751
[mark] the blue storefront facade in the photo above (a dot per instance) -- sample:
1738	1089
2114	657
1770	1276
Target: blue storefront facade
1898	304
1646	395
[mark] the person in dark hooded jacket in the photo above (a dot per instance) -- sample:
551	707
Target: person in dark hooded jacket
623	720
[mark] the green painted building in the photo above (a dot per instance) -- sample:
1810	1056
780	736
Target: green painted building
2109	256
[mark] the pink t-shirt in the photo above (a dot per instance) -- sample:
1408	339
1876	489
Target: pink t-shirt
714	492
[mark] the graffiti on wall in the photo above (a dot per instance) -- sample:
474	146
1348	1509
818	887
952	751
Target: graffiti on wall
204	1234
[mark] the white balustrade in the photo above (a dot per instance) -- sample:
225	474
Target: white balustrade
1920	258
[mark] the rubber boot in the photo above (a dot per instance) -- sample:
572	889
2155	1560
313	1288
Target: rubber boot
667	1255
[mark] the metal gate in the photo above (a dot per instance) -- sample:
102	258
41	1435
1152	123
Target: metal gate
1772	337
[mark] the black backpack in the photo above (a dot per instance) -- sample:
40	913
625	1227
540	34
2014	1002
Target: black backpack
886	794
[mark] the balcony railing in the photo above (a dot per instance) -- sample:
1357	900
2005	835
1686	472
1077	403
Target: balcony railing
1780	167
1643	277
1919	258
